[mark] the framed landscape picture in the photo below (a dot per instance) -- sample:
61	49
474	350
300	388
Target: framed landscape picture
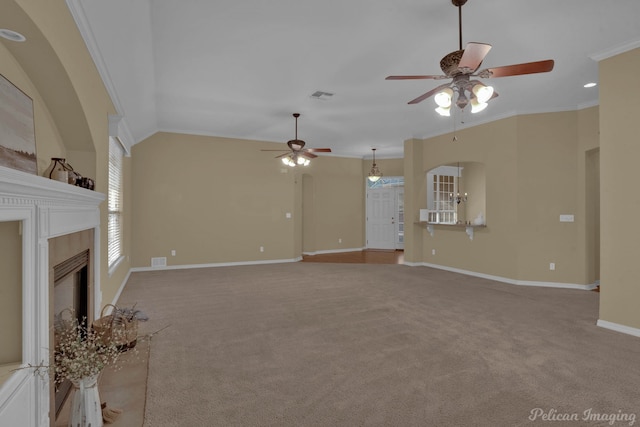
17	130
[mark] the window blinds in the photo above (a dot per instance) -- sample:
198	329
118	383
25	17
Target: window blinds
114	226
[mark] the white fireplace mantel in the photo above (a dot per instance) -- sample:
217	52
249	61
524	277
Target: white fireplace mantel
46	209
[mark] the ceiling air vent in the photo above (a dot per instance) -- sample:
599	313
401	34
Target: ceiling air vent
321	95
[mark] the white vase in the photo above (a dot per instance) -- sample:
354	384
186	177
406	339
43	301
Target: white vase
85	403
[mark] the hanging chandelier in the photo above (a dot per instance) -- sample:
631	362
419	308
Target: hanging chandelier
458	198
374	173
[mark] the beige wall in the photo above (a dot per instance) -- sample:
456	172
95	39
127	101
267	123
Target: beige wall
218	200
534	169
547	187
619	154
211	200
10	293
338	193
414	199
588	194
71	105
493	249
473	182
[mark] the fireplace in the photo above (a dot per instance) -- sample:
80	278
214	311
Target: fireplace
59	228
71	280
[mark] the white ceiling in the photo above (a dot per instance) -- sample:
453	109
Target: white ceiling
240	68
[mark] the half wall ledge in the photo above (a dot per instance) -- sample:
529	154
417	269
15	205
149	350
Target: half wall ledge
469	228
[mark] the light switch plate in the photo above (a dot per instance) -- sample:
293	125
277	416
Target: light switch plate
566	218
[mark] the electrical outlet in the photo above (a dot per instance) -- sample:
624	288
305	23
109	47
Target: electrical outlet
261	248
173	252
339	240
433	251
552	266
566	218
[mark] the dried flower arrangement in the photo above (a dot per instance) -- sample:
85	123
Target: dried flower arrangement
81	352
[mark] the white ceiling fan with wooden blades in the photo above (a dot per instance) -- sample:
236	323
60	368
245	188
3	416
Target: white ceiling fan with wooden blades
462	67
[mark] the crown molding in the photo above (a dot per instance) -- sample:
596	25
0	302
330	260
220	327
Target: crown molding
82	22
608	53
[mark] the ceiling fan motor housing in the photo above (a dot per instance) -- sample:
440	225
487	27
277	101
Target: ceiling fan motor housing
296	144
449	64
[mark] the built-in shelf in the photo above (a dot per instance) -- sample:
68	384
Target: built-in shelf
469	228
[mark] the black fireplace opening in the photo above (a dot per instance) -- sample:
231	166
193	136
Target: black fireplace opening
70	302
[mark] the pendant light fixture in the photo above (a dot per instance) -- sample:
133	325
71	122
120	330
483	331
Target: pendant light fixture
458	198
374	173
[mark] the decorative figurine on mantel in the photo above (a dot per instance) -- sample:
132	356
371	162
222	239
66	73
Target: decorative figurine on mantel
62	171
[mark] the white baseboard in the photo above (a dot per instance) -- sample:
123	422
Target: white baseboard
506	279
618	328
333	251
221	264
117	295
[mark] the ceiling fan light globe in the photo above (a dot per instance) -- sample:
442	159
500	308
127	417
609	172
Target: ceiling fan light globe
483	93
446	112
476	106
443	98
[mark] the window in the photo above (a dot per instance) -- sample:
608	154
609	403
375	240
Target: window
386	182
114	227
442	185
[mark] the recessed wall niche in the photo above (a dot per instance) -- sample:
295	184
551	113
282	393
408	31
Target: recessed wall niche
10	296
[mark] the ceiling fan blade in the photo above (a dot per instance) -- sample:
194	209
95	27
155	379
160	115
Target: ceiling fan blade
519	69
306	153
317	150
274	150
421	77
473	56
428	94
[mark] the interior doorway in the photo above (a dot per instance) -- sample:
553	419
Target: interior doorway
385	214
592	199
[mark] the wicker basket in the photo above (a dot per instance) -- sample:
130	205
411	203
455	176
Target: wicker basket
117	327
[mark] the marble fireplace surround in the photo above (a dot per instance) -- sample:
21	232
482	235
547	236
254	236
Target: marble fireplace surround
47	210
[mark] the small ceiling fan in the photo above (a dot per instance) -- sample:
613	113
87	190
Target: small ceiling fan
461	66
297	154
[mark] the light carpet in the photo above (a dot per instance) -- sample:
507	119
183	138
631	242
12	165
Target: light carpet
305	344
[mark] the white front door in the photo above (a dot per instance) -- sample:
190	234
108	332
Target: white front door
381	221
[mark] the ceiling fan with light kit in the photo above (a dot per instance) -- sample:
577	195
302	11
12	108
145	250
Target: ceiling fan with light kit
462	67
297	155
